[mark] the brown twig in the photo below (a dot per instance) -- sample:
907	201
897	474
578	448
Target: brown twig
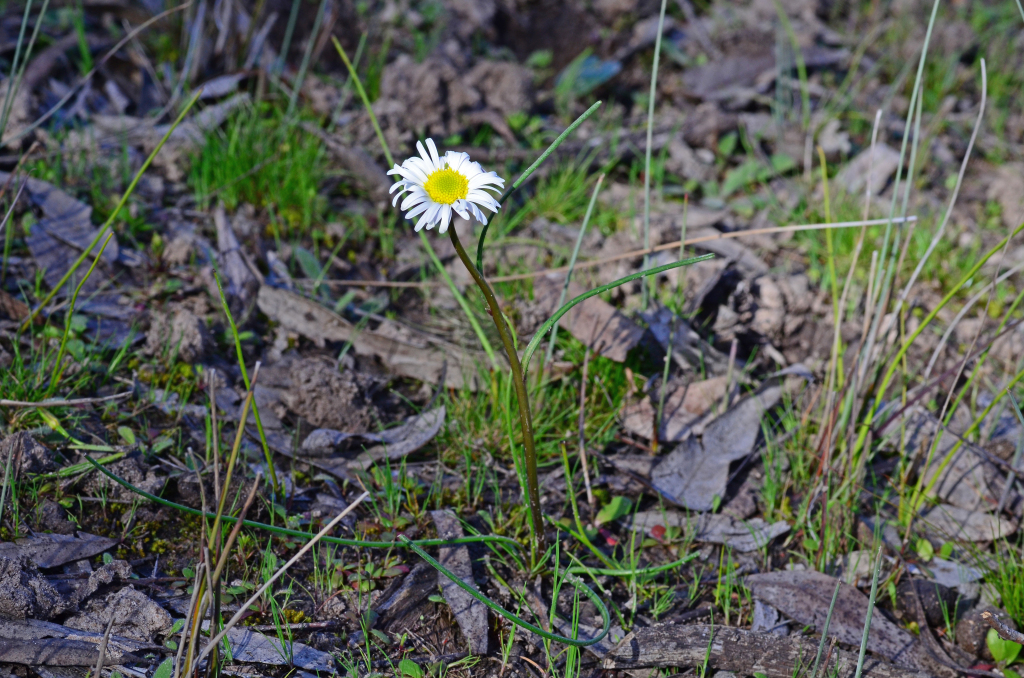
1005	631
618	257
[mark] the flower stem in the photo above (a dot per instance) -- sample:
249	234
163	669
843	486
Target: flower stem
532	489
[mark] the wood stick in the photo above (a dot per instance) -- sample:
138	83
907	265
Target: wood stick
731	649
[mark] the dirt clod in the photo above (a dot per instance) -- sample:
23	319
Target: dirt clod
178	332
136	616
24	594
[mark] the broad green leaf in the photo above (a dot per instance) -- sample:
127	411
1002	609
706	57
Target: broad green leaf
925	549
307	262
410	669
613	510
165	668
1004	651
126	434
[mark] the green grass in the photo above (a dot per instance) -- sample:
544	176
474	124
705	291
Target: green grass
261	158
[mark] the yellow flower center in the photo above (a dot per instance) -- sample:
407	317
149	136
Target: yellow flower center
445	186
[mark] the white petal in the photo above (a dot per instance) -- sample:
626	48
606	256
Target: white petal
423	152
478	214
457	161
486	179
414	173
445	218
427	219
484	201
462	207
418	209
415	197
433	152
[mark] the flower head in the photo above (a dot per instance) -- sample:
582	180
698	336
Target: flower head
438	186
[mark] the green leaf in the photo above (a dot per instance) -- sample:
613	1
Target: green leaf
1004	651
107	558
176	627
613	510
79	323
1010	673
437	598
76	349
946	550
925	549
126	434
782	163
307	262
165	668
758	674
410	669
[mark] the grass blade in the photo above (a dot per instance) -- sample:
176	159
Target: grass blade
525	175
572	264
113	215
539	335
867	617
824	631
644	293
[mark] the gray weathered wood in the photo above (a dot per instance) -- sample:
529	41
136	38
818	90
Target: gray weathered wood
732	649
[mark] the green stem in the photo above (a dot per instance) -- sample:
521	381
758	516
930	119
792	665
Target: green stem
532	487
271	473
285	532
57	371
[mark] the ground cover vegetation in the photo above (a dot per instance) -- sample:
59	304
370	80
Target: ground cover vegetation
729	383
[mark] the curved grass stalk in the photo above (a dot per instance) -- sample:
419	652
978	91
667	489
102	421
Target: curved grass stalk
57	371
402	542
531	348
887	378
644	293
272	474
525	175
572	264
113	215
286	532
417	547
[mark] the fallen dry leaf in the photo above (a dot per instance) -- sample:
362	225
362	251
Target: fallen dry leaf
805	596
715	528
695	472
725	648
53	550
426	363
594	322
470	613
683	407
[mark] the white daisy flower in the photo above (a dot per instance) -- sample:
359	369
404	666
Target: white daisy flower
438	186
